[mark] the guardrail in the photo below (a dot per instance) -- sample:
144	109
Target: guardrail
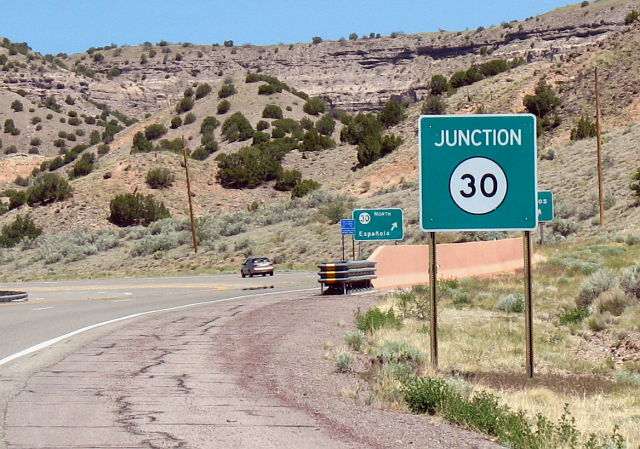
341	278
7	296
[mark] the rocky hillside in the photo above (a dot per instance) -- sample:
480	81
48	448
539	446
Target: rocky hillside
101	102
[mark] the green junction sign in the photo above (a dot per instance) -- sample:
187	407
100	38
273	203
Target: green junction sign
378	224
478	172
545	206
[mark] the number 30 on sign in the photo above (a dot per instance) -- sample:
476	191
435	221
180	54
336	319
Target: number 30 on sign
478	172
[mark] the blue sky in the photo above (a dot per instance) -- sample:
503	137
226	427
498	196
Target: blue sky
72	26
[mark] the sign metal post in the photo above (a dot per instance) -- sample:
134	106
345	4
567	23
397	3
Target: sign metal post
433	276
478	173
347	227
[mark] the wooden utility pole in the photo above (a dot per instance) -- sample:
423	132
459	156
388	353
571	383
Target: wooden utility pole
599	151
193	223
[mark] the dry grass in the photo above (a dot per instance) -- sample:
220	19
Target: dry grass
484	348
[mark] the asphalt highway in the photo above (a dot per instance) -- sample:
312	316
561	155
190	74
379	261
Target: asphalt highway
57	308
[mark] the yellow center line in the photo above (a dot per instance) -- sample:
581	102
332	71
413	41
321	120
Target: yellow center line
121	287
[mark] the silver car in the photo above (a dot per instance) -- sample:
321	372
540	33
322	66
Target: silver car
256	265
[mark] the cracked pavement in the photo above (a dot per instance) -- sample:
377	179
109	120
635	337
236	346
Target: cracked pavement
248	374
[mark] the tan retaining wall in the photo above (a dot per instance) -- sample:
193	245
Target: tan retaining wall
407	265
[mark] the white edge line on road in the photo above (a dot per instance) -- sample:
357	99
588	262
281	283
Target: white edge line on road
121	300
55	340
43	308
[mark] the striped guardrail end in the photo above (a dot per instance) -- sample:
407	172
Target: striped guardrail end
9	296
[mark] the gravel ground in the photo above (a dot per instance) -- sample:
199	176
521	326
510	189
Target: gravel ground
251	374
280	350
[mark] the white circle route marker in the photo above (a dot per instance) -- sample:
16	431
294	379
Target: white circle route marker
364	218
478	185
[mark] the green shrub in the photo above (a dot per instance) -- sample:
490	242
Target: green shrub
223	107
573	316
392	113
141	143
209	124
184	105
375	147
414	303
262	125
22	228
84	166
111	129
600	321
272	111
159	178
304	187
439	85
199	154
426	395
226	91
458	79
94	137
16	105
247	168
434	105
189	118
209	143
325	125
11	149
48	188
314	106
494	67
274	85
154	131
313	141
400	352
482	412
237	128
374	319
9	126
584	129
202	91
260	137
613	301
306	123
630	280
288	125
361	127
563	227
512	303
268	89
278	133
356	340
597	283
543	101
287	180
152	244
635	183
344	362
55	163
631	17
176	122
131	209
16	197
